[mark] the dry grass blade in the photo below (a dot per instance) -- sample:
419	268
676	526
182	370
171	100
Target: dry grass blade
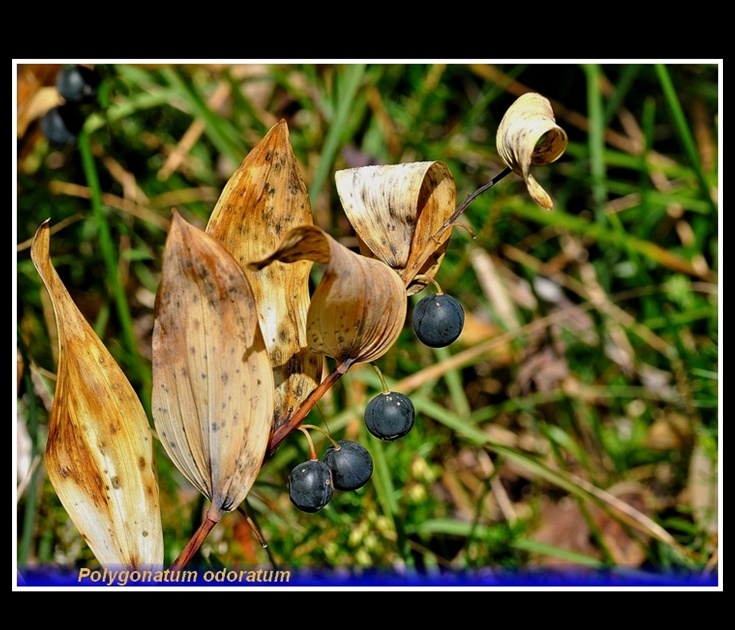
99	452
261	202
212	379
581	487
359	308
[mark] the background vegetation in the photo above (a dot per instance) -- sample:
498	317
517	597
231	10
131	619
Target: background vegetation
575	422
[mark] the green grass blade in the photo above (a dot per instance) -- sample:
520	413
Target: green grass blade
596	140
572	484
387	498
352	78
686	137
111	267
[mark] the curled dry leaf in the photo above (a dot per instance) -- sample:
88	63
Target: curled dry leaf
529	136
99	453
212	379
359	308
261	202
397	211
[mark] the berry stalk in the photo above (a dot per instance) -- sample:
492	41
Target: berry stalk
429	252
463	206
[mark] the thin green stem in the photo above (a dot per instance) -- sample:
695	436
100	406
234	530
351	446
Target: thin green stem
323	432
383	384
429	279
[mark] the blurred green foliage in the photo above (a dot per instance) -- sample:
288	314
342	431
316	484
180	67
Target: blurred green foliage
590	353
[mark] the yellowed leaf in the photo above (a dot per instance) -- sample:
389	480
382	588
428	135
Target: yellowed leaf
261	202
212	379
359	308
99	453
397	211
529	136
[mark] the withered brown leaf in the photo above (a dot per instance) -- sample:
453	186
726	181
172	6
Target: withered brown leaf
99	453
359	307
212	379
261	202
397	211
529	136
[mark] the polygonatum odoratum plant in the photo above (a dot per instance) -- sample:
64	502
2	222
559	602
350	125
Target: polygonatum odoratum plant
241	347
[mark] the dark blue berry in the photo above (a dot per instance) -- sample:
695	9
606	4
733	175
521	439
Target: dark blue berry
438	320
62	124
77	83
351	465
389	415
310	486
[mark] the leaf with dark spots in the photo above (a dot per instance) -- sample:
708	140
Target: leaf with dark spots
359	307
191	413
397	211
263	200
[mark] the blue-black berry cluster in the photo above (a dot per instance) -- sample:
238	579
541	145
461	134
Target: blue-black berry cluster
78	87
438	321
347	466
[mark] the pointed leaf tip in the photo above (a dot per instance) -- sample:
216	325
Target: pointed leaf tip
264	199
212	379
99	452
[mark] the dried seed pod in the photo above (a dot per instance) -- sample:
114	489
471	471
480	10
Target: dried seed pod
99	453
529	136
212	378
397	211
359	308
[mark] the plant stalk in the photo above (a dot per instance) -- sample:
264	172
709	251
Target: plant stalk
429	251
312	399
187	553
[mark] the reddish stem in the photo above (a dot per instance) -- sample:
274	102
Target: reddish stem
312	399
210	520
214	515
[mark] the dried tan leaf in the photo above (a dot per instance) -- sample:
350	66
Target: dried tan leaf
703	488
99	453
529	136
212	379
359	308
397	211
261	202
